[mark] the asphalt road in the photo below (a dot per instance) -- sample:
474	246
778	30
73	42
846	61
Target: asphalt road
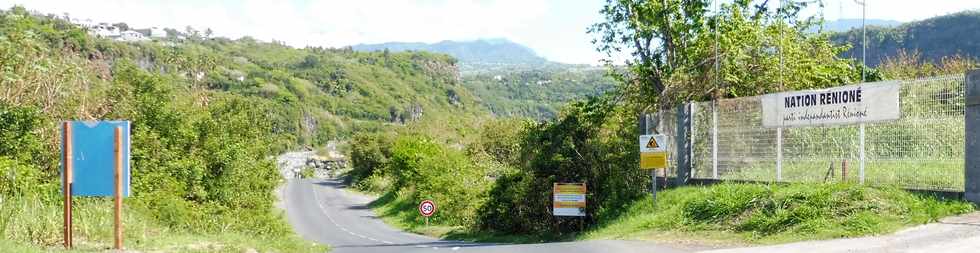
320	210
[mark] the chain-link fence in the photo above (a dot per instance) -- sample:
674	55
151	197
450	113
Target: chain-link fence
922	150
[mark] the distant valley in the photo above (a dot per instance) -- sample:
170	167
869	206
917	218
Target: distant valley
510	79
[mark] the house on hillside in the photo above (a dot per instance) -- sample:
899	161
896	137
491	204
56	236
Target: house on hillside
152	33
104	31
84	23
132	36
157	33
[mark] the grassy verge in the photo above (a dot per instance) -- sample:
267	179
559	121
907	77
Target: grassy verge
766	214
32	225
403	214
725	215
920	174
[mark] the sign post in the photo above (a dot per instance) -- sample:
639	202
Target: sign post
118	195
569	199
66	183
100	152
653	156
427	208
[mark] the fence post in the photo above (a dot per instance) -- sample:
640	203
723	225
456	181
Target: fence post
861	166
683	141
692	140
779	154
972	154
714	139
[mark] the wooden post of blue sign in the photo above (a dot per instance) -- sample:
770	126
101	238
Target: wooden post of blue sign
118	156
66	183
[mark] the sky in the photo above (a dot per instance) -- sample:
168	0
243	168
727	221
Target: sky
555	29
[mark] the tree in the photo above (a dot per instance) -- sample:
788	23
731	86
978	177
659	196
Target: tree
192	33
208	32
122	26
680	51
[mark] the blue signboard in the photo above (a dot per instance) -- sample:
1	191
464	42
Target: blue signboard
93	157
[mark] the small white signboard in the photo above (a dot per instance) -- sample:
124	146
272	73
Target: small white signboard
861	103
569	199
651	143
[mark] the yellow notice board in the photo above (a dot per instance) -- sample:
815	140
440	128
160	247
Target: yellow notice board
654	160
569	199
653	151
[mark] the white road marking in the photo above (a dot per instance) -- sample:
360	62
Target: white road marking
323	210
455	248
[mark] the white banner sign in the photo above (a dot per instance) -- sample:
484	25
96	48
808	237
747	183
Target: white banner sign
569	199
868	102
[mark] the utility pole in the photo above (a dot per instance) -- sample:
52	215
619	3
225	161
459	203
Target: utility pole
864	54
864	37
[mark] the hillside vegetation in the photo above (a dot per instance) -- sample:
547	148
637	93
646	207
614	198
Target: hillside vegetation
536	93
752	213
932	39
207	113
474	56
496	184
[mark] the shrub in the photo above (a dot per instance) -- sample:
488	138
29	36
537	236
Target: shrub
423	169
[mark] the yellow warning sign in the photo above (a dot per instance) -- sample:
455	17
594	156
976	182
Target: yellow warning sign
653	160
652	144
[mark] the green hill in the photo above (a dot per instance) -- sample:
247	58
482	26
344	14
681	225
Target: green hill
473	55
933	39
510	79
207	113
536	93
324	93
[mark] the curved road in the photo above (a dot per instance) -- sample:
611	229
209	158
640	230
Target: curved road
320	210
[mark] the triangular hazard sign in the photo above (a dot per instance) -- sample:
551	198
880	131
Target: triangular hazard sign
653	143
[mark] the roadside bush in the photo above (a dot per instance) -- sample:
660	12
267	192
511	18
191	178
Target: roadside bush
369	153
306	172
592	142
423	169
18	127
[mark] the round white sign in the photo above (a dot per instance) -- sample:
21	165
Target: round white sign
427	208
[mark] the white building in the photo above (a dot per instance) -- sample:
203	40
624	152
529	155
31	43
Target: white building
132	36
104	31
157	33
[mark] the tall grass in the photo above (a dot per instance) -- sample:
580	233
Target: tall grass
30	224
758	213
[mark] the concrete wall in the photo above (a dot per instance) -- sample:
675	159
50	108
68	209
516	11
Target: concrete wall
972	155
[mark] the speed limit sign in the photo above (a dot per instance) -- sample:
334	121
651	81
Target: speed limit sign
427	208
